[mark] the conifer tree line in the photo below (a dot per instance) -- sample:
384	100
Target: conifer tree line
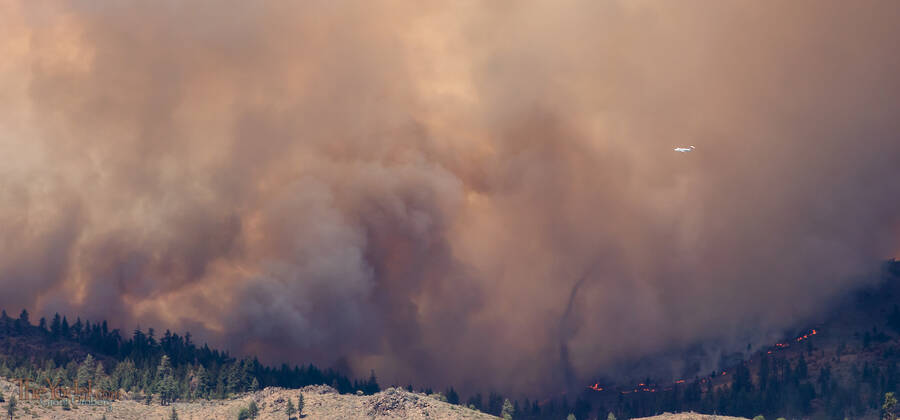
171	367
163	369
775	388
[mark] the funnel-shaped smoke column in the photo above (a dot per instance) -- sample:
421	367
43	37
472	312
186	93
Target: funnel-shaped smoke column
416	187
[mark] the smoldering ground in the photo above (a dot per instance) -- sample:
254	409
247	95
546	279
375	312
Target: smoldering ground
416	188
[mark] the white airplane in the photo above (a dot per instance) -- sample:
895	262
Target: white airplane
684	149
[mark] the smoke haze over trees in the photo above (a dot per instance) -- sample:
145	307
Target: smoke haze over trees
416	188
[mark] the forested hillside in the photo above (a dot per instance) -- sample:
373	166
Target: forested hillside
171	366
840	367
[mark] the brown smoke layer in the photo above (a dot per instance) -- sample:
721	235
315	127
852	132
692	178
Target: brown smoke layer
416	187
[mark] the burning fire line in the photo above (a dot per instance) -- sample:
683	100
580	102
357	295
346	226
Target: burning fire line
781	346
642	387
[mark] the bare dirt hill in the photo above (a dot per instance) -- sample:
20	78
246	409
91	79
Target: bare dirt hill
321	402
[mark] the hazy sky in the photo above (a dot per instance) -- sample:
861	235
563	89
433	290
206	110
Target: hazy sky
416	187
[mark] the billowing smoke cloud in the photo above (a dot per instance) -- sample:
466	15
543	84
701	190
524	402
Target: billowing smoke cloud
417	188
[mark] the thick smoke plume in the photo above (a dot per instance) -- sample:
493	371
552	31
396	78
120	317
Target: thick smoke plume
417	187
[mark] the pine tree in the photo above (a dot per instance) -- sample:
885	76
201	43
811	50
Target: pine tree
59	377
125	375
452	396
890	404
371	386
495	403
203	382
571	417
11	407
64	330
56	326
611	416
186	391
300	405
234	382
86	371
220	386
290	409
174	415
77	328
100	377
254	386
508	411
243	371
165	381
253	409
476	401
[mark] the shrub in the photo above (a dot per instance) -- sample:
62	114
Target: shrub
244	414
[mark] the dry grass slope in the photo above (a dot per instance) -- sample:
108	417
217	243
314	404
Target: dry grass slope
321	402
689	416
